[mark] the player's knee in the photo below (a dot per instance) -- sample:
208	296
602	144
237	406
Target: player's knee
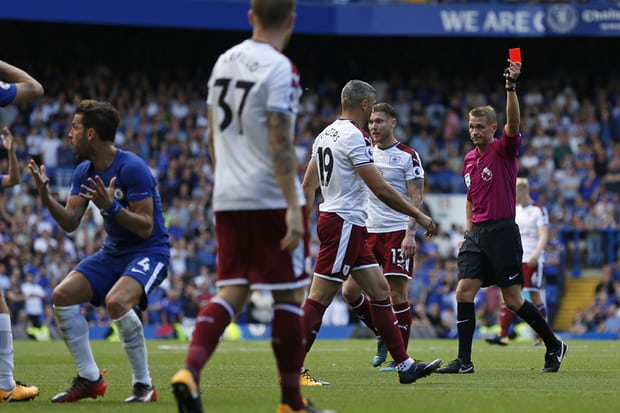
513	302
380	292
61	297
399	296
116	306
350	296
464	294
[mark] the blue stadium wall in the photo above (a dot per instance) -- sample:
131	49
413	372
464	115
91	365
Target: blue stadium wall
491	19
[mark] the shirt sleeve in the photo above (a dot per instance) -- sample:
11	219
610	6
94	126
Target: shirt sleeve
509	145
360	149
138	181
7	93
284	89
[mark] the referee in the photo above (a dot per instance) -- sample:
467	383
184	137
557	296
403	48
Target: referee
491	252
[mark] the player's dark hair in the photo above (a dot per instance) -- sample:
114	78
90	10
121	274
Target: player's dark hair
272	13
385	108
101	116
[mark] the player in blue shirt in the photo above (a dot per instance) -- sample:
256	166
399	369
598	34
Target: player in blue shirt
16	86
134	257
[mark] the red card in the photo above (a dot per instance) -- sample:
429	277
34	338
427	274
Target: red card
515	54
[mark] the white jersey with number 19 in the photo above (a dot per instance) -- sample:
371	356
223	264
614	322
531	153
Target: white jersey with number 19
338	151
248	81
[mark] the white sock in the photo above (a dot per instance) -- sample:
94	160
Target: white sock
74	330
6	353
402	366
132	337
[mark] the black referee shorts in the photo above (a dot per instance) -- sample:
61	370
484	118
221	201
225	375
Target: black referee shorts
492	252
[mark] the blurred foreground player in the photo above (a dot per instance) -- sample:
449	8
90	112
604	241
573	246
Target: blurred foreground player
261	228
16	86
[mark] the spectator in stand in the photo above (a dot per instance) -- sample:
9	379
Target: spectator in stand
50	144
612	178
45	242
153	314
207	251
33	304
611	325
434	316
190	307
66	163
5	281
172	308
178	255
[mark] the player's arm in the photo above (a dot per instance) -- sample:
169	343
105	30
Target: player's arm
513	114
388	195
543	237
468	215
210	143
415	188
284	158
138	218
13	177
67	216
310	182
28	87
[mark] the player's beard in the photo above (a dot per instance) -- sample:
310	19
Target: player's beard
82	149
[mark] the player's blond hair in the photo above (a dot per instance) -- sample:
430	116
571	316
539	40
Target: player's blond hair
484	112
523	182
385	108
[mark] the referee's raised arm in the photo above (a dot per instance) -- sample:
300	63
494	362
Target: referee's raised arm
513	115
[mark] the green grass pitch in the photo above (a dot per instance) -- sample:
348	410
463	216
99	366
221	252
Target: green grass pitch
241	377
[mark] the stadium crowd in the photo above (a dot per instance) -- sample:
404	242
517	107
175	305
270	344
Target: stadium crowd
571	156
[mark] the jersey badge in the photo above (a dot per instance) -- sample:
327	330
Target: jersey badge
486	175
119	194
